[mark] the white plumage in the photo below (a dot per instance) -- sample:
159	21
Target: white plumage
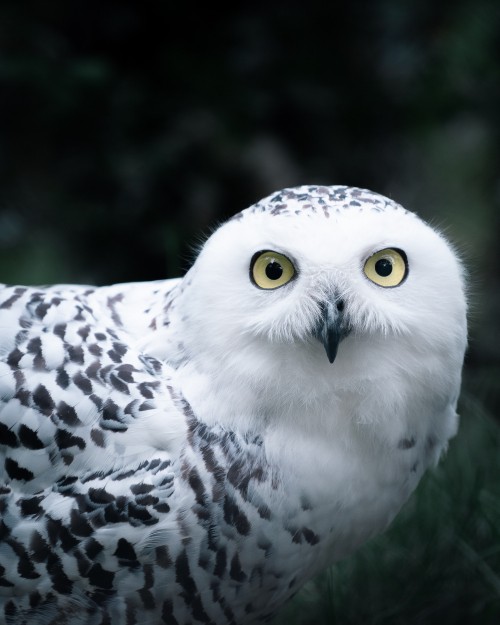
184	452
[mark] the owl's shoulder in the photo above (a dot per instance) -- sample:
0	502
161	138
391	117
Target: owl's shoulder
73	384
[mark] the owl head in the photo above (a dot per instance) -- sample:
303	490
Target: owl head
326	289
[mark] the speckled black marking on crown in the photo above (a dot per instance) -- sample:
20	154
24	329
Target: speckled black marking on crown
321	200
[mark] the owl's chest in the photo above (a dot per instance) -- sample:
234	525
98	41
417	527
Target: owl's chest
259	529
343	490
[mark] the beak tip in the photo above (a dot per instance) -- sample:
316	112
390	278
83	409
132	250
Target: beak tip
331	354
330	329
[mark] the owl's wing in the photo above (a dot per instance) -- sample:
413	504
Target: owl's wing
76	397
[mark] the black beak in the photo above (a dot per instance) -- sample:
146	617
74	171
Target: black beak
331	329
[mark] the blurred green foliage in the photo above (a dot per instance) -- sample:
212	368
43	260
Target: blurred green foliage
128	130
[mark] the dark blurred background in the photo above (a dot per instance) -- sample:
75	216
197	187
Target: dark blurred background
129	129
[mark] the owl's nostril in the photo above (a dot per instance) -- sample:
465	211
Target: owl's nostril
340	305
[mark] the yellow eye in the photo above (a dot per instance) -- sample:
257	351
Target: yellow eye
270	270
387	268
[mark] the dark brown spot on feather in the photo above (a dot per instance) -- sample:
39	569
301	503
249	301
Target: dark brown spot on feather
43	400
98	437
406	443
29	438
16	472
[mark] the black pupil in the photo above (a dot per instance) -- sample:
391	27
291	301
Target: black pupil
383	267
274	270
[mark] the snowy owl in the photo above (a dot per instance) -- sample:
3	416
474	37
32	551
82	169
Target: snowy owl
192	451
